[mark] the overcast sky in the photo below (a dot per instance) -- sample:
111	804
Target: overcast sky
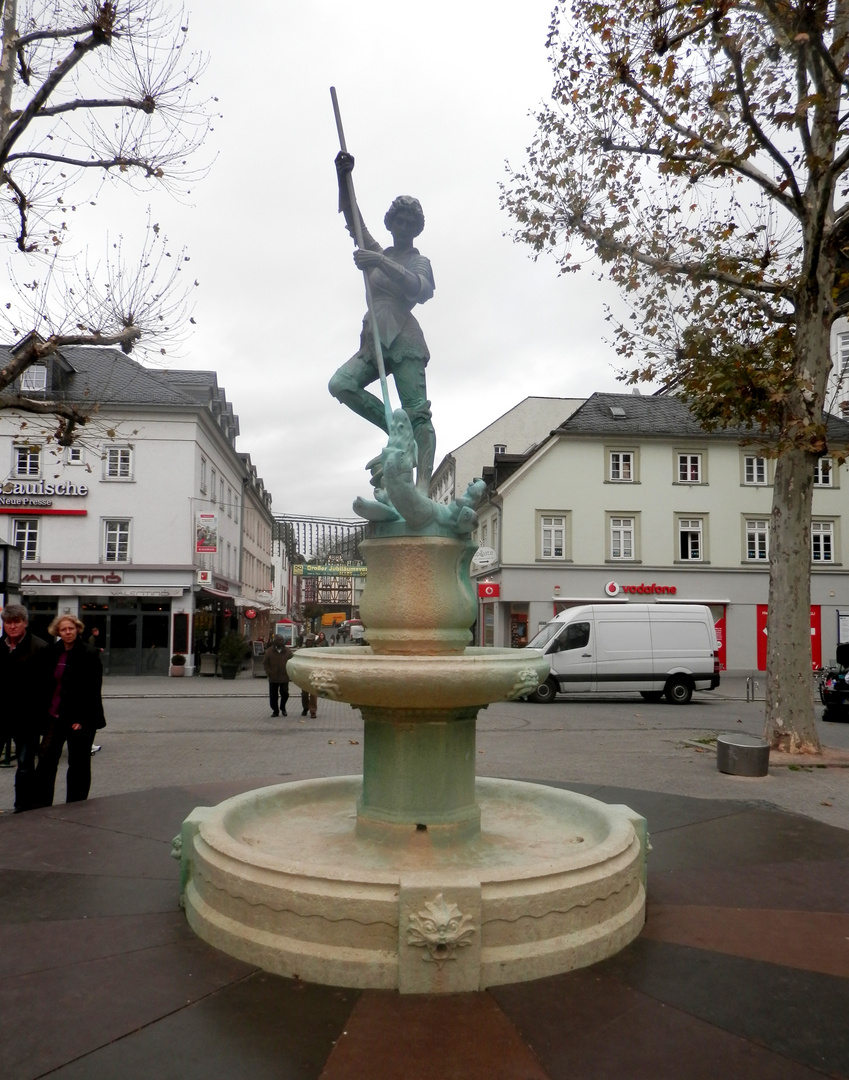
435	98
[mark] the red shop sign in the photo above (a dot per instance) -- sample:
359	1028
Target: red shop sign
250	613
488	590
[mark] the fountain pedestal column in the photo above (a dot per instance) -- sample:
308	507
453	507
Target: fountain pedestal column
419	771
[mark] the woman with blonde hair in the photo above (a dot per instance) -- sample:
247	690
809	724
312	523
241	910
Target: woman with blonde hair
74	709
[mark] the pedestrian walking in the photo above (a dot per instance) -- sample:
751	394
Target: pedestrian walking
274	661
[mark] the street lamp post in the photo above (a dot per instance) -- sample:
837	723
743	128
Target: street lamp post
10	574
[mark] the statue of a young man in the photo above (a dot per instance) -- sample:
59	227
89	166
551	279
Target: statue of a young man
399	277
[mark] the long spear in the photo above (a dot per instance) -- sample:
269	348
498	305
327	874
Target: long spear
358	238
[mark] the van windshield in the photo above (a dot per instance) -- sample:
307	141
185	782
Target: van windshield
549	631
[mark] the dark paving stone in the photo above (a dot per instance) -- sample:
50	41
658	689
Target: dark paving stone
810	940
748	838
67	1011
800	1015
39	841
39	946
809	886
663	812
455	1037
156	815
31	896
260	1028
587	1026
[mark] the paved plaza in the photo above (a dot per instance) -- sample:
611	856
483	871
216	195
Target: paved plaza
742	969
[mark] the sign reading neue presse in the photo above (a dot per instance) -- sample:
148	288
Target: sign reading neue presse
37	493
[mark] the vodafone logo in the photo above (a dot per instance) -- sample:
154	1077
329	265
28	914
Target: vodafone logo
613	588
488	590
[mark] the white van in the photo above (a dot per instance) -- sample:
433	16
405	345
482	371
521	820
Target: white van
650	649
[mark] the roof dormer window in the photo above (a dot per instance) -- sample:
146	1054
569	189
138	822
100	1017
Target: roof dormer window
34	379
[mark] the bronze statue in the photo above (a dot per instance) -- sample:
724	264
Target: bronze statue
398	278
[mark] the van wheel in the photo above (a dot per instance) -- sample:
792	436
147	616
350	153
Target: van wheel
545	693
651	695
678	690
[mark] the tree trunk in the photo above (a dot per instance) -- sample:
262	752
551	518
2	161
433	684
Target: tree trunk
7	64
789	724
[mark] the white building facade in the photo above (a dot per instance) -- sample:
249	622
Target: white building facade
137	528
631	500
514	432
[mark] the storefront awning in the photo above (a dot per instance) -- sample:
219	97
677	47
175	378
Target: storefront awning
217	593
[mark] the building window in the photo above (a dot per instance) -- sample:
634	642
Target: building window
689	468
34	379
116	540
221	492
622	466
843	355
27	461
690	539
229	501
552	537
494	523
118	463
74	455
823	472
203	476
754	469
822	541
25	537
757	540
212	485
622	538
500	448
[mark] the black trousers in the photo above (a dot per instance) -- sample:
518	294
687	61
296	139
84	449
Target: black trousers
78	780
275	690
26	790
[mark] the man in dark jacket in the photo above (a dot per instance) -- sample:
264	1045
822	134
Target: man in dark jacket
274	661
20	677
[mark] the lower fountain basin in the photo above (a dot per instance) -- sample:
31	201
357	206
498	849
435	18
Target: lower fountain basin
279	878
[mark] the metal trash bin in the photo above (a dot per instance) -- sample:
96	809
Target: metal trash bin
742	755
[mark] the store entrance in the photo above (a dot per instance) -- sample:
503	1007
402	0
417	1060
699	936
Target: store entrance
133	634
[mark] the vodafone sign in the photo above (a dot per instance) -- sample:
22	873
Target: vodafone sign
613	588
488	590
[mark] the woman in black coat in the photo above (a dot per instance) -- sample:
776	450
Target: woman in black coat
74	710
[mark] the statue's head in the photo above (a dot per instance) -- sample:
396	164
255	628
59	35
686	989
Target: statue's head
408	204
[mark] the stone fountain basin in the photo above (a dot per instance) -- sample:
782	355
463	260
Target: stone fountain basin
476	676
280	878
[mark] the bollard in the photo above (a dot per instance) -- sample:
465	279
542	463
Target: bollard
742	755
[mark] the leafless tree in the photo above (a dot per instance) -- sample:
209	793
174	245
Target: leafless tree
92	93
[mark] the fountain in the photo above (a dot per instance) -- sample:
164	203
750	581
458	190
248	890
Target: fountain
414	876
